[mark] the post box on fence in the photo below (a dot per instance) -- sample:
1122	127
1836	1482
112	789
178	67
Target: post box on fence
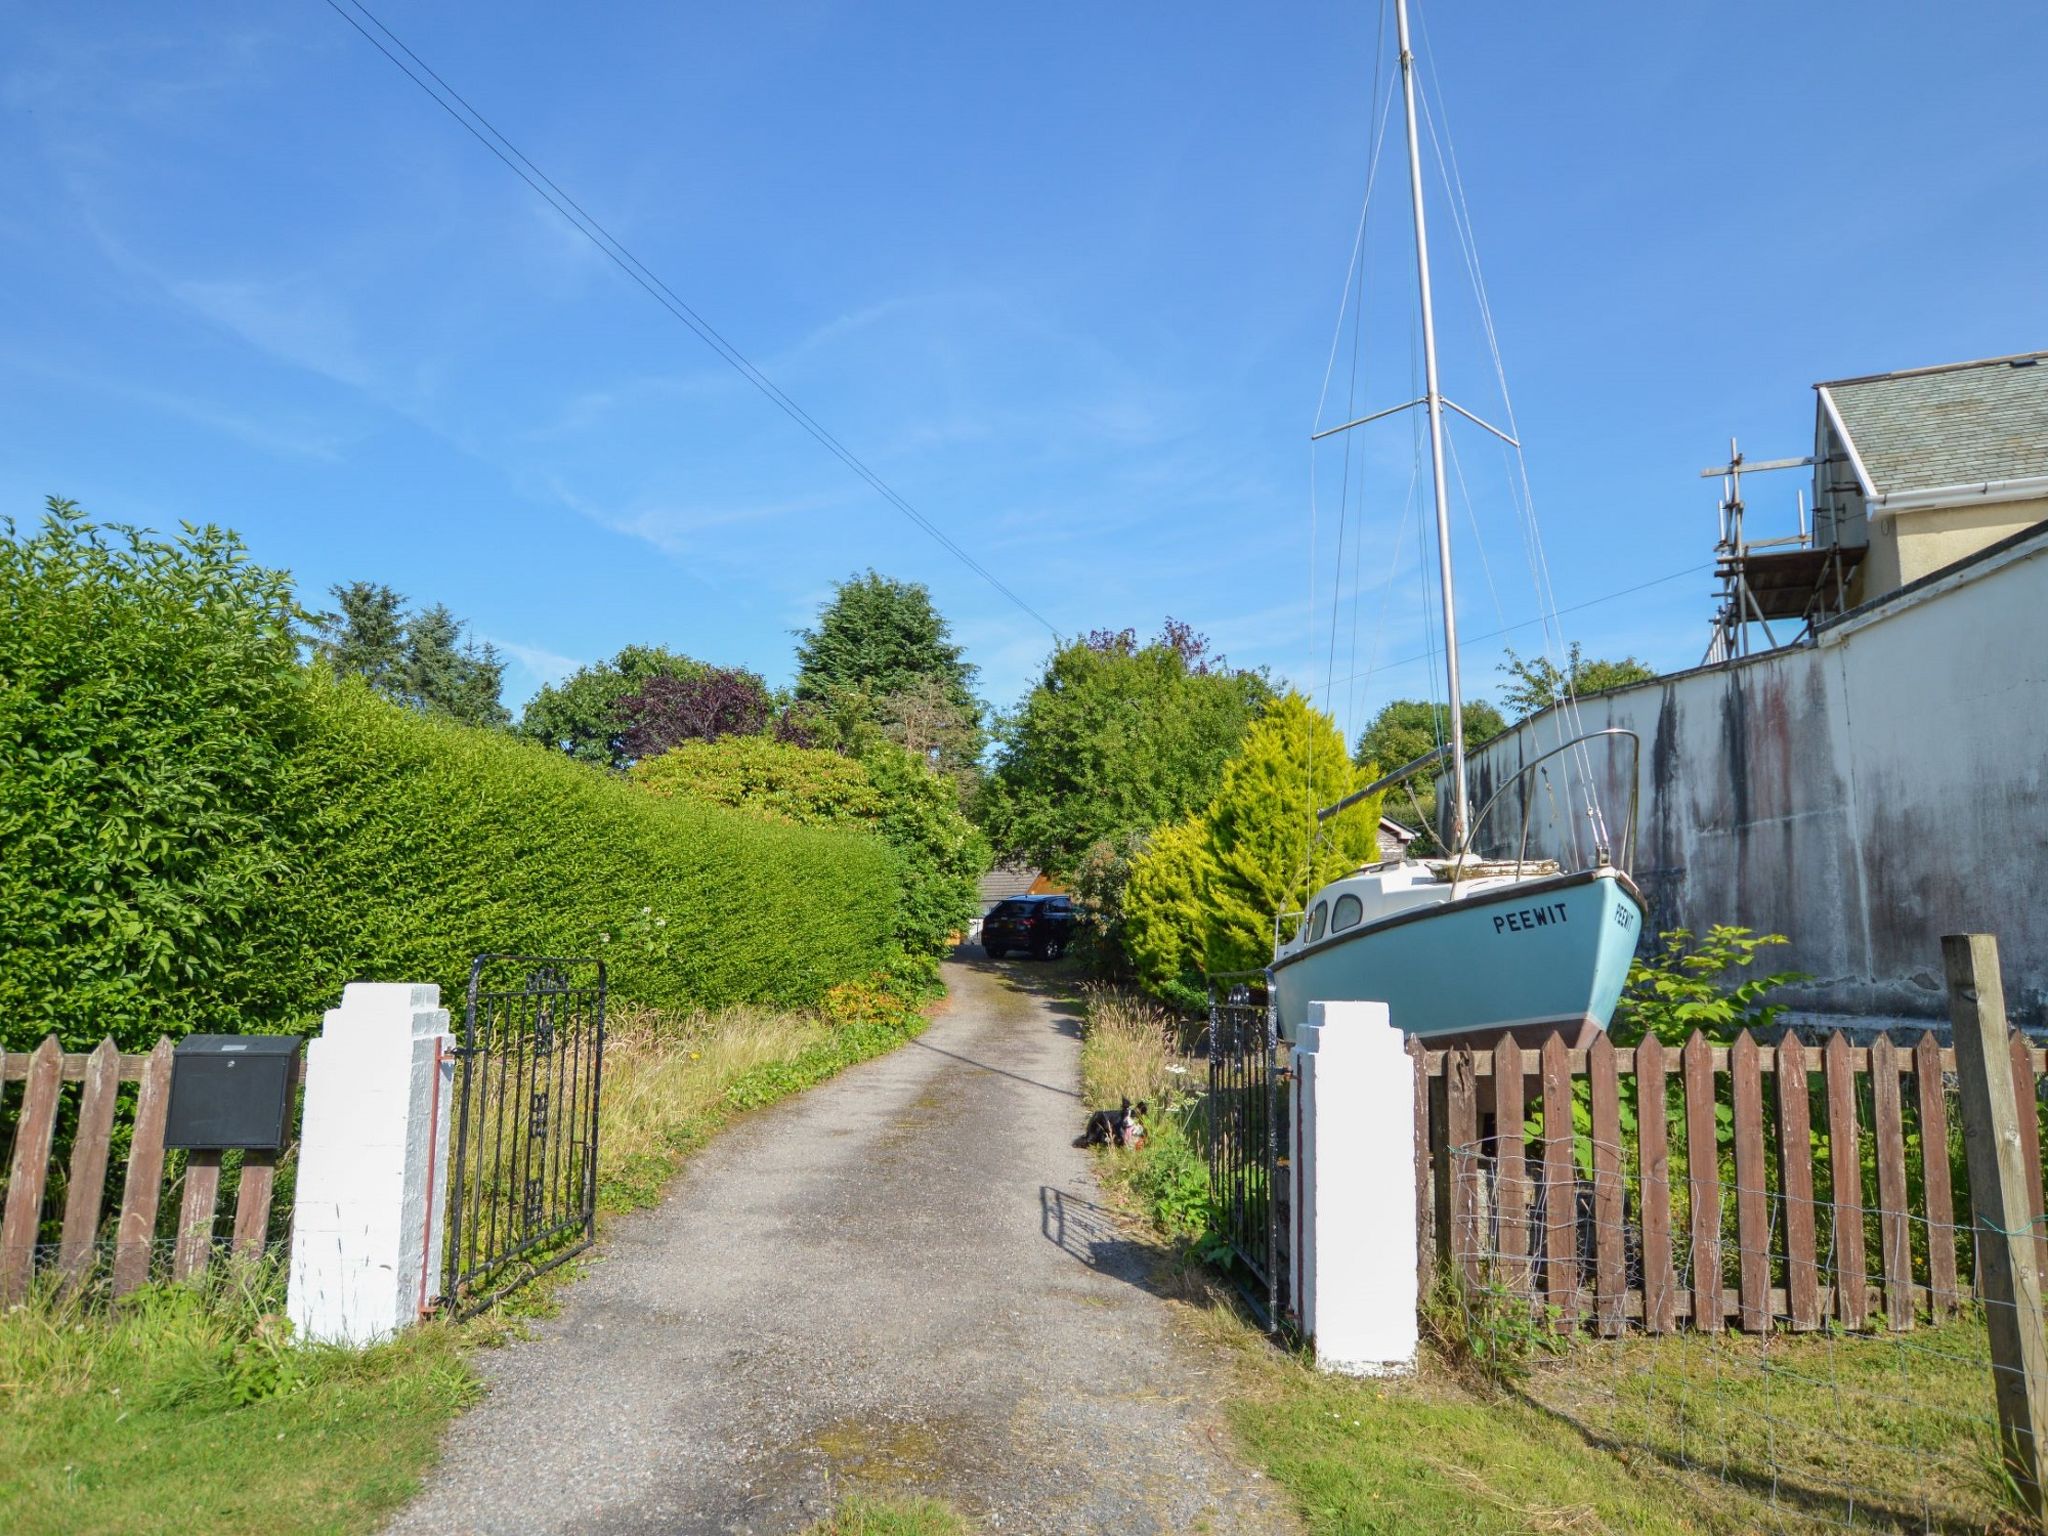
232	1091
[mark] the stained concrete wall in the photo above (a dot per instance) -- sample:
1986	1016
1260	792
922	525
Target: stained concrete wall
1862	794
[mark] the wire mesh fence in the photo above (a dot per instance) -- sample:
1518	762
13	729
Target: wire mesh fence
1878	1428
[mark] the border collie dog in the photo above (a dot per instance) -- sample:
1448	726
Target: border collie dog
1123	1126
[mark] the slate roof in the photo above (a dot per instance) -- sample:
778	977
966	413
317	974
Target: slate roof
1005	881
1953	425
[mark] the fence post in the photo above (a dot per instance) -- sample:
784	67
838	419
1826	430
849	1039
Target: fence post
370	1208
1354	1190
2008	1280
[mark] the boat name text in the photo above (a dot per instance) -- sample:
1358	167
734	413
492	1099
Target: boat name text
1529	917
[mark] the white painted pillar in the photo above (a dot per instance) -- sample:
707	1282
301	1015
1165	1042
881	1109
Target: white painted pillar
369	1211
1354	1190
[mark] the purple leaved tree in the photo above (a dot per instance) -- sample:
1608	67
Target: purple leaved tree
668	711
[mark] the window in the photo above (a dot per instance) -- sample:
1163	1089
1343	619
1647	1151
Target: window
1319	922
1349	911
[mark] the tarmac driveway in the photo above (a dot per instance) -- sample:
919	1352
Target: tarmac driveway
900	1282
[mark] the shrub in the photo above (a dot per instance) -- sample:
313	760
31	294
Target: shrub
766	778
887	790
150	703
1201	898
197	831
430	843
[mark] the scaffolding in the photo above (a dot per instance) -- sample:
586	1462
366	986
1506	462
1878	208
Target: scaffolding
1790	579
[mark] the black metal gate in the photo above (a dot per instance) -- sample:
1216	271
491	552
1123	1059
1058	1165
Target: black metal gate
523	1194
1249	1102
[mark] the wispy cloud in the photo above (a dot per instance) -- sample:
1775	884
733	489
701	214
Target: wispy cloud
545	666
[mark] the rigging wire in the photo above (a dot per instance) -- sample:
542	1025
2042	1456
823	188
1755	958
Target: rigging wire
1569	717
549	191
1545	618
1354	271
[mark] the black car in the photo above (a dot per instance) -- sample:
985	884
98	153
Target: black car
1043	925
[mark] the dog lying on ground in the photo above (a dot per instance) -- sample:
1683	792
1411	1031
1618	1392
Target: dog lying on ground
1120	1127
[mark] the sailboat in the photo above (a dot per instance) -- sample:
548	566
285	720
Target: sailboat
1479	943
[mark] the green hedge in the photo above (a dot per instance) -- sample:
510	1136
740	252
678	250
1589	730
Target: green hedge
431	841
198	833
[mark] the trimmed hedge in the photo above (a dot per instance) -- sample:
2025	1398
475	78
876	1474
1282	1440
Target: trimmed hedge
198	833
430	842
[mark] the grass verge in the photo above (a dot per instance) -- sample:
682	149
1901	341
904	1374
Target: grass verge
1674	1435
891	1517
189	1409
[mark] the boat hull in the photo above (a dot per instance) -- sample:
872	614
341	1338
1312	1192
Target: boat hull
1532	959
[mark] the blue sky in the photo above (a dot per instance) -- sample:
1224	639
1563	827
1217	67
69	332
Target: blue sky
1065	275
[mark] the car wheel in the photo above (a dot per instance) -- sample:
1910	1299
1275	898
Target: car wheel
993	951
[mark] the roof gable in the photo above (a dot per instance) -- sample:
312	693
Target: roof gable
1957	425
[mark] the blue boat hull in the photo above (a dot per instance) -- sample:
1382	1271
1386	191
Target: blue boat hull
1533	958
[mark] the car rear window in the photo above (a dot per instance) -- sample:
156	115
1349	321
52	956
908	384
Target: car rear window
1012	909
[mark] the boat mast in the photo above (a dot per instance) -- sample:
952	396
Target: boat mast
1435	402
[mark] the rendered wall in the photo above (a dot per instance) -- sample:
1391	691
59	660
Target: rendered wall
1862	795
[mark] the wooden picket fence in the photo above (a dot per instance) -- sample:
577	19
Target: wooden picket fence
1615	1231
82	1242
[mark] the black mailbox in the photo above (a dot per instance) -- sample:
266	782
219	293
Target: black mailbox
232	1091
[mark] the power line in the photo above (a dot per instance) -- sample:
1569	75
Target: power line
487	134
1544	618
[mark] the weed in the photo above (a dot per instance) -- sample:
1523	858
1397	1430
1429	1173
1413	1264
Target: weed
1489	1330
892	1517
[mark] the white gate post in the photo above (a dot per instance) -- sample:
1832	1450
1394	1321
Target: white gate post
369	1211
1354	1194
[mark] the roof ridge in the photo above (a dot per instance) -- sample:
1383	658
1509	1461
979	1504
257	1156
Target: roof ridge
1915	373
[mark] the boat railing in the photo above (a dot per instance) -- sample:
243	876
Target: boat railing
1278	919
1604	853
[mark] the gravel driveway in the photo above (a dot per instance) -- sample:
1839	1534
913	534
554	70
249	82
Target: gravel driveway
900	1282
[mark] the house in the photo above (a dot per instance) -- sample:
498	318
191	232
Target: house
1926	466
1877	779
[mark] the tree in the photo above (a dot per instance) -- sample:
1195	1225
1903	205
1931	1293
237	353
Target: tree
922	718
882	636
151	715
579	715
1269	852
1407	728
667	711
1203	894
882	662
888	791
1537	682
418	659
1163	899
1117	738
773	780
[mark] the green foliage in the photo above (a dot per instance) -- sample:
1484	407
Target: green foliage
1407	728
419	659
1115	740
1100	882
1267	850
1489	1329
579	715
770	779
1164	901
430	843
882	636
1685	984
1537	682
888	791
189	1407
944	855
866	1021
1202	896
925	718
149	707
